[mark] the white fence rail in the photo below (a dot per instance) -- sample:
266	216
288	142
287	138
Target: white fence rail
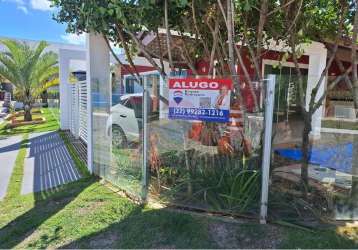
83	110
78	123
74	110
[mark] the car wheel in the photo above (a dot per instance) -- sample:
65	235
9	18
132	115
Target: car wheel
119	139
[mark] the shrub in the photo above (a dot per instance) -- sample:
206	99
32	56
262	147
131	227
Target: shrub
222	183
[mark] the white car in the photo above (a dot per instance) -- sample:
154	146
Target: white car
125	120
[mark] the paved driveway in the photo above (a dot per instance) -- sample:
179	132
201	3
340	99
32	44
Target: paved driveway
48	163
9	148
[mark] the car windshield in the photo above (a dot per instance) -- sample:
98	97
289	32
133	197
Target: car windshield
125	102
135	103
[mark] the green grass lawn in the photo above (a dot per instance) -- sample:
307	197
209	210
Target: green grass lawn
52	123
87	214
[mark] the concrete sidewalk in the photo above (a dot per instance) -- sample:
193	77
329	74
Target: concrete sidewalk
48	163
9	148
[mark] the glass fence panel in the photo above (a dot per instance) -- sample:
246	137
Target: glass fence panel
101	136
314	172
197	142
205	142
126	125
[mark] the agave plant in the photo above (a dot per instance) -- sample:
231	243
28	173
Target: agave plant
30	70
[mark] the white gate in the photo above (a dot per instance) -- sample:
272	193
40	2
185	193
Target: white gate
83	110
79	110
74	110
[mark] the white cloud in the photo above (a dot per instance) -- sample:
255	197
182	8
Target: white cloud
25	5
43	5
81	40
74	39
20	4
23	9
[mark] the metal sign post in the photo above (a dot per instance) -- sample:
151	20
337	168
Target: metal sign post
266	161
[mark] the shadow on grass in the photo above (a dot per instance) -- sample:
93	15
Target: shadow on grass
48	167
141	228
164	229
47	204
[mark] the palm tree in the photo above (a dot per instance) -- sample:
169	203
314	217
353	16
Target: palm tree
28	69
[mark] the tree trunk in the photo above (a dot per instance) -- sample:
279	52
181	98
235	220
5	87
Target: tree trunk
260	30
168	36
27	112
230	32
306	151
231	45
44	98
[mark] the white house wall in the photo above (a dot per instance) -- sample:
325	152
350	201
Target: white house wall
66	56
317	64
98	77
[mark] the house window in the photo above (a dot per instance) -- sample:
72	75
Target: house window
130	82
179	73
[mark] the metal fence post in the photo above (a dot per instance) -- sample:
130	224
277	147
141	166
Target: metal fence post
89	68
266	161
145	107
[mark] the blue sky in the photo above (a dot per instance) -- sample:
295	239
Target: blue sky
32	19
